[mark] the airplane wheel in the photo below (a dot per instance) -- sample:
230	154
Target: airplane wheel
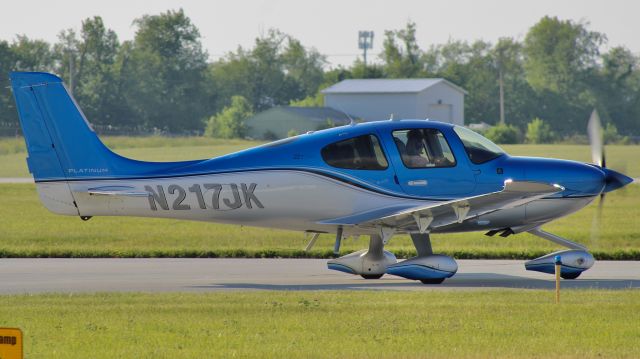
570	275
371	276
432	281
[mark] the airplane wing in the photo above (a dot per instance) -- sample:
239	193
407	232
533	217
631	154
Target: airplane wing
435	215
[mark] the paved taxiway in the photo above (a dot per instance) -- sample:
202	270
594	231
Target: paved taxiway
168	274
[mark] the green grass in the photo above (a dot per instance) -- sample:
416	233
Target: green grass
346	324
9	145
28	229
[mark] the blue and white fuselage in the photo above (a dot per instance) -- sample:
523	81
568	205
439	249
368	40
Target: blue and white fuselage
355	180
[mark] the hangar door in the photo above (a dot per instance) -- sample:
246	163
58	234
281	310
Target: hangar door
441	112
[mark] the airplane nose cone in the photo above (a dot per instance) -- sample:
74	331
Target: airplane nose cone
578	179
615	180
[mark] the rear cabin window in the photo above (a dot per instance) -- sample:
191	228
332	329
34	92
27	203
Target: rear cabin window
423	148
358	153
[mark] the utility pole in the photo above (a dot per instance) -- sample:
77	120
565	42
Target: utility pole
70	52
501	97
365	42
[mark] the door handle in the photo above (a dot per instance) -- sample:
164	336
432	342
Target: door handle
417	183
476	172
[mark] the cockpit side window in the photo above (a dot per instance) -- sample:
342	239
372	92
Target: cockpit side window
358	153
423	148
478	148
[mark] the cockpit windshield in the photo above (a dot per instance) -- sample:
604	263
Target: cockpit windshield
479	149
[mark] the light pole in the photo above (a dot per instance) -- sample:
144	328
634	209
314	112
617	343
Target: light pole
365	42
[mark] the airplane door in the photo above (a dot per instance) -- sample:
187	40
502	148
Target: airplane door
427	165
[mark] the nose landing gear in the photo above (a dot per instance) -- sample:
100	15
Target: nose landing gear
574	261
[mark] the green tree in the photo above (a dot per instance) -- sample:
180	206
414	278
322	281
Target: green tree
506	56
22	54
610	133
303	65
66	57
32	55
503	133
559	54
539	131
469	65
617	88
560	58
316	100
96	87
371	71
87	61
229	123
7	109
401	55
277	70
163	73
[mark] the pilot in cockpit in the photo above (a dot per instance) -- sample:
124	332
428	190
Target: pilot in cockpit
415	148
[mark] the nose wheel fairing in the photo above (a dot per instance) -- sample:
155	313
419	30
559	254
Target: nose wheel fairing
574	262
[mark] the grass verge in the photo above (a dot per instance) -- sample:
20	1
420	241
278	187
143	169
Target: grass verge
290	253
346	324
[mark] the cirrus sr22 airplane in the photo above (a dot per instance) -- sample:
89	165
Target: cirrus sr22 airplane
376	179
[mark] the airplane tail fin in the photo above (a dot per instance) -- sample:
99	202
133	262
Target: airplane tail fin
60	142
62	146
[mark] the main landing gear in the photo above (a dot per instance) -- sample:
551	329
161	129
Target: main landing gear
369	263
374	262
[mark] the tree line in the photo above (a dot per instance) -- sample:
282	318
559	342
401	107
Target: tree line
163	79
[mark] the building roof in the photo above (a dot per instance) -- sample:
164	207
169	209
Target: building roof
319	114
386	86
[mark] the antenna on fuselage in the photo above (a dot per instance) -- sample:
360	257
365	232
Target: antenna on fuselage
352	122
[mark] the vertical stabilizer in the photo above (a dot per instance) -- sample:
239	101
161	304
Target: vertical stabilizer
60	142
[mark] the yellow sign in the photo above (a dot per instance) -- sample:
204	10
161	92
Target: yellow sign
10	343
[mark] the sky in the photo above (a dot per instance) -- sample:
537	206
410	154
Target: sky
330	26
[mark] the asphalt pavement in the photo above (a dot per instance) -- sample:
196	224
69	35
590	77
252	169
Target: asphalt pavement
34	275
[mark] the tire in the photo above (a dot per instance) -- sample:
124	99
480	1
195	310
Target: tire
570	275
432	281
371	276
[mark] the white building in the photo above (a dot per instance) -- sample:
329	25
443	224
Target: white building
379	99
